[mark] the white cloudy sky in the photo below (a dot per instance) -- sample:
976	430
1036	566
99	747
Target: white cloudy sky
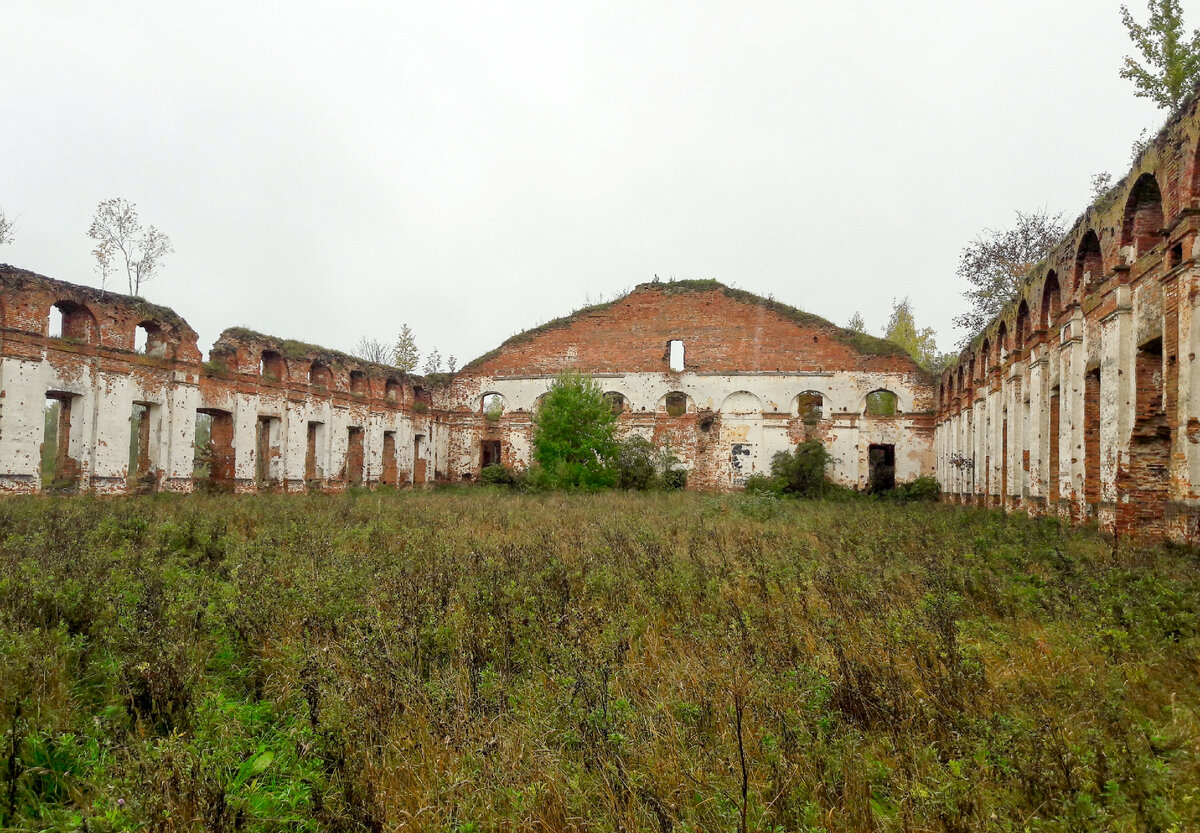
331	170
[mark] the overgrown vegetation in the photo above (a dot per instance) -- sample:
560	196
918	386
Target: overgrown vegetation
457	661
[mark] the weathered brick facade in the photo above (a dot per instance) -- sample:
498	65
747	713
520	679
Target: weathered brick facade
746	364
756	377
284	415
1090	373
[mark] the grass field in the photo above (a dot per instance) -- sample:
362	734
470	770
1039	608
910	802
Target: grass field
471	661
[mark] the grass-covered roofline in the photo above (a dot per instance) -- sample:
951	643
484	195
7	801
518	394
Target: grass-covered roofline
14	277
297	351
862	342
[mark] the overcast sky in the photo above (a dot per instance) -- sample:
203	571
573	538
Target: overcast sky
473	169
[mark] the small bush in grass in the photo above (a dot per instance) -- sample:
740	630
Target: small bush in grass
675	478
497	475
763	484
923	488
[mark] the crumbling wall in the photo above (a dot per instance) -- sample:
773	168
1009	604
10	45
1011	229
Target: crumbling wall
261	394
1077	400
746	362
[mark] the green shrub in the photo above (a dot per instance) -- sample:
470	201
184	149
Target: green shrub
802	472
573	435
764	483
639	465
923	488
636	463
497	474
675	478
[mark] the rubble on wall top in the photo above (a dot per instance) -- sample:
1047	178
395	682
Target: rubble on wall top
299	351
15	278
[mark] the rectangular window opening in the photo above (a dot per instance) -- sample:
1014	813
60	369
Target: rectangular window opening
314	453
59	470
213	466
391	468
490	453
881	459
675	355
354	457
419	475
141	475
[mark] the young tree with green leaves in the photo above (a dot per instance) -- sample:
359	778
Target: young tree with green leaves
1171	67
920	343
405	354
574	440
856	323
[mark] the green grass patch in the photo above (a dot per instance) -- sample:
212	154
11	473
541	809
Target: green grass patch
480	660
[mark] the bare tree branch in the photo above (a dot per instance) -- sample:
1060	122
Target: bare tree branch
121	243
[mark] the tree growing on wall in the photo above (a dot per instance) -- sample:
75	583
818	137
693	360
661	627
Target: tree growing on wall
996	261
856	323
920	343
6	228
433	362
122	244
574	435
1170	66
405	354
372	350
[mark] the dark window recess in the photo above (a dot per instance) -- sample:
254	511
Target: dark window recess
616	401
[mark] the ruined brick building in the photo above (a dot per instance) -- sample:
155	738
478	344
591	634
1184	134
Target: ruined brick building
723	377
1078	400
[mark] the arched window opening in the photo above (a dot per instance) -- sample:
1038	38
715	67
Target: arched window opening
422	400
1051	301
271	365
676	404
393	390
882	403
959	386
1001	344
1143	224
1022	334
1089	264
358	383
985	358
616	401
72	321
810	407
491	405
320	375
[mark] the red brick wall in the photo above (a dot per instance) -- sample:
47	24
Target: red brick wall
720	333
